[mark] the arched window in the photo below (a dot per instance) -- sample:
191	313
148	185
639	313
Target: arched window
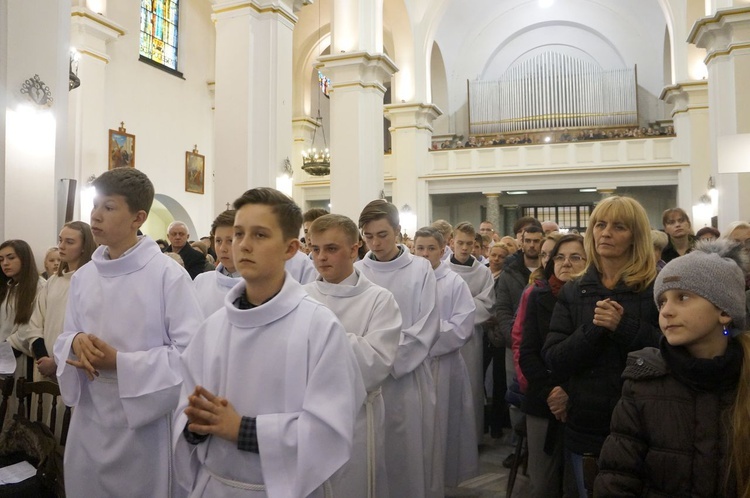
159	28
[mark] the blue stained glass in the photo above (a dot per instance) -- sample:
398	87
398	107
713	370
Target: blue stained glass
159	31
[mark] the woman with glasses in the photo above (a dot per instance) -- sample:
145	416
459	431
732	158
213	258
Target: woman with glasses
545	401
599	318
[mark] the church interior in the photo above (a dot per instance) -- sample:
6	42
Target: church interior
450	109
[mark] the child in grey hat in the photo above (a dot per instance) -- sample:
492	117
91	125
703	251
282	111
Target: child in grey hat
682	426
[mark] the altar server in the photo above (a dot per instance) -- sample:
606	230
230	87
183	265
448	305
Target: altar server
481	284
408	394
372	321
455	422
272	387
212	286
130	313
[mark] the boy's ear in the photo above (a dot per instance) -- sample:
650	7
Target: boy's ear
292	246
140	218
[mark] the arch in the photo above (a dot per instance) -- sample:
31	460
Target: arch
164	211
438	90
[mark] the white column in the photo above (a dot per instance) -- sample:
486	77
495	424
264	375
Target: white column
302	130
726	38
411	134
35	41
356	128
253	115
88	149
691	122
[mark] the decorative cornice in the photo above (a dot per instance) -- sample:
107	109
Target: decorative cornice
232	6
686	96
727	31
98	19
357	69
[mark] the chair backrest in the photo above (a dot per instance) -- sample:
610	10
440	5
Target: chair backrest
24	388
6	389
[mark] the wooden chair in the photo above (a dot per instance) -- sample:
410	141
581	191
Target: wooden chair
25	389
6	388
590	470
521	457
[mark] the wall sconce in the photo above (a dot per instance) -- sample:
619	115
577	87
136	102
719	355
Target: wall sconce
408	220
37	91
284	182
74	81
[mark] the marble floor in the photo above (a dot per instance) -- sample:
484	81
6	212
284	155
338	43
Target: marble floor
492	480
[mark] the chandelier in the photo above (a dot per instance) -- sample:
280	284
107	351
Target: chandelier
317	162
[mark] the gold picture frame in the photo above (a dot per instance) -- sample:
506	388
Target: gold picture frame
121	148
195	171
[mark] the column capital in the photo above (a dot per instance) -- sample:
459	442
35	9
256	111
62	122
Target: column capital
90	32
726	31
491	195
686	96
357	70
411	115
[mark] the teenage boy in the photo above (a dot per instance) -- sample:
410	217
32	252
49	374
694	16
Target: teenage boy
271	386
372	321
130	313
212	286
446	229
455	422
479	279
409	392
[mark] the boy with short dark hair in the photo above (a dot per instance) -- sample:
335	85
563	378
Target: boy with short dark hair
212	286
130	313
413	460
481	284
271	387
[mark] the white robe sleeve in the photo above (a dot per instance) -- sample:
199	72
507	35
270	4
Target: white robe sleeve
419	337
69	377
485	299
300	451
149	381
456	330
376	350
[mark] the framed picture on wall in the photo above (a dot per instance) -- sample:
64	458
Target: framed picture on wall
195	169
121	148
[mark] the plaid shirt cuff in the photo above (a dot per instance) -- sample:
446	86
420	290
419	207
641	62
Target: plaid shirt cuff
192	437
247	439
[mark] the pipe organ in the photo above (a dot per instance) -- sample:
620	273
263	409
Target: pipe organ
553	90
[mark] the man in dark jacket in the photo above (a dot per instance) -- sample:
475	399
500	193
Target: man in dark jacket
508	289
194	260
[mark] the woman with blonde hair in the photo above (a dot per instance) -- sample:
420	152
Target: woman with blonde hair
599	318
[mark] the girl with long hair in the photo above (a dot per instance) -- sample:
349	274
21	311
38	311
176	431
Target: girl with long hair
76	245
19	281
682	426
598	319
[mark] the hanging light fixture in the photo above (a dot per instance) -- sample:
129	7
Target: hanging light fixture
317	162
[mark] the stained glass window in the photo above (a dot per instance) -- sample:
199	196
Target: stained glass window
325	84
159	19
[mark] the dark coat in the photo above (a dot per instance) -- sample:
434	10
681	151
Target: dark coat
508	289
668	438
592	357
540	306
194	260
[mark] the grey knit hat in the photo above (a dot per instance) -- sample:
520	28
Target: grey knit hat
714	271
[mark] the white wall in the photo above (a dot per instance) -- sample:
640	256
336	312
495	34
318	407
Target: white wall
167	114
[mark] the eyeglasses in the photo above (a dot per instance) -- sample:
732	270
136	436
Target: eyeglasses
573	258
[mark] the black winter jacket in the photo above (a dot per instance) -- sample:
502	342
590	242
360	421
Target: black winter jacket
508	289
669	430
592	357
541	303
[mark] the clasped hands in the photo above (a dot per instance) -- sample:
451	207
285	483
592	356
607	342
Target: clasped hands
93	354
211	414
607	314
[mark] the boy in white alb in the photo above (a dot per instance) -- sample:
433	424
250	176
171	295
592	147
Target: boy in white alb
481	285
408	394
372	321
212	286
272	388
130	313
455	422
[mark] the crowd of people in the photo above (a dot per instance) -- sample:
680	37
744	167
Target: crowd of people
561	136
355	363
